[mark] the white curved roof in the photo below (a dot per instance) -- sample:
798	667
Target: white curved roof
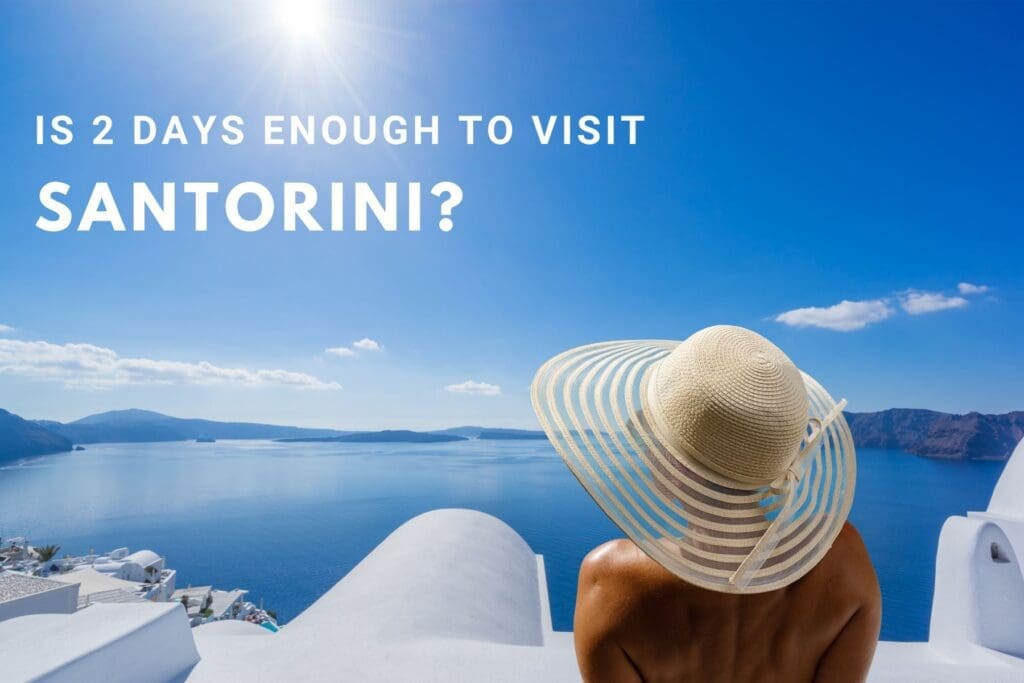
452	595
145	558
480	582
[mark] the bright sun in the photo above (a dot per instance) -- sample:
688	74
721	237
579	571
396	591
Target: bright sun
300	18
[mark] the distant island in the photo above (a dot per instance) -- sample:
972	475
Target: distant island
383	436
929	433
143	426
20	438
973	436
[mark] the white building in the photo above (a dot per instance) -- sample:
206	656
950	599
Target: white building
457	595
205	604
141	567
977	624
21	594
104	643
138	566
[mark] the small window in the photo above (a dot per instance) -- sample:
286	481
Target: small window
998	554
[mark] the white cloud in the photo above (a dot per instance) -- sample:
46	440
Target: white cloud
366	344
917	303
846	316
474	388
6	329
94	367
968	288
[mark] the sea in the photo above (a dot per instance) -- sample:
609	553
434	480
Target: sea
288	520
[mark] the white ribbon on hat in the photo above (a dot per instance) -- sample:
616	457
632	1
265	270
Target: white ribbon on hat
786	482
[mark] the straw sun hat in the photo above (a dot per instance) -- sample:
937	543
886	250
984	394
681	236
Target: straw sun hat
719	458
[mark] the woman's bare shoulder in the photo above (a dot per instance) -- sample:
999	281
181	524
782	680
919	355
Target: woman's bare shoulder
621	566
848	569
610	560
850	546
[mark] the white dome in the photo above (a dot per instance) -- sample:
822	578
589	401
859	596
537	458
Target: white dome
143	558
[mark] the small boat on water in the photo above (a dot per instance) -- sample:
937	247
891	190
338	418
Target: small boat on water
206	439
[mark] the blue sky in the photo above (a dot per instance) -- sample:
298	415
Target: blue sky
792	157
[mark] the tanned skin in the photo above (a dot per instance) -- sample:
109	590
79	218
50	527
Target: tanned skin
636	621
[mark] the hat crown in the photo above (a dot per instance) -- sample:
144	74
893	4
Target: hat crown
736	402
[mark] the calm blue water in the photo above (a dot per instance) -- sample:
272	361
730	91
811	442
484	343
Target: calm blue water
288	520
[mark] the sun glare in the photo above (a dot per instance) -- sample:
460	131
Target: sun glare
300	18
305	50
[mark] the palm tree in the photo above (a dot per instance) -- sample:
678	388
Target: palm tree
45	553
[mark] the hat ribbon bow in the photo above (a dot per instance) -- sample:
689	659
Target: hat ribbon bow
785	483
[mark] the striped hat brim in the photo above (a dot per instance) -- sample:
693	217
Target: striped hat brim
591	402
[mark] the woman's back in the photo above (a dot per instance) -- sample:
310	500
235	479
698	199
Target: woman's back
636	621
